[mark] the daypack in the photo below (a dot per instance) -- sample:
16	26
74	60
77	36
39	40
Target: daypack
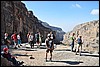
14	37
37	35
53	36
50	43
79	41
31	37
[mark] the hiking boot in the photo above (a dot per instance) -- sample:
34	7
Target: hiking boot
46	60
18	46
50	59
20	63
80	54
31	46
38	46
15	48
76	53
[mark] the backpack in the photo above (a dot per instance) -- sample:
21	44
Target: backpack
50	43
31	37
14	37
37	35
53	36
79	41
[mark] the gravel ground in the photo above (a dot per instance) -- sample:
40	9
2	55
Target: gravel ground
62	56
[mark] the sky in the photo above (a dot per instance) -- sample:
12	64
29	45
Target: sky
64	14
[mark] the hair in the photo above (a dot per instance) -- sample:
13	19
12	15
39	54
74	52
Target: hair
73	34
80	36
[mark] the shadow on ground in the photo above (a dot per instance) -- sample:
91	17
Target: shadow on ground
30	50
62	50
69	62
22	55
42	47
90	55
70	50
84	52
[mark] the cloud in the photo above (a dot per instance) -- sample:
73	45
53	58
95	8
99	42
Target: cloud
95	12
76	5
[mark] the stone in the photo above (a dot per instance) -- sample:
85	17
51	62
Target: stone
89	32
16	17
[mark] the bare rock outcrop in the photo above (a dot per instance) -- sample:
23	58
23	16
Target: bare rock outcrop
90	33
16	17
59	31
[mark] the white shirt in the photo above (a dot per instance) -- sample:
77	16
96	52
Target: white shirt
30	37
18	36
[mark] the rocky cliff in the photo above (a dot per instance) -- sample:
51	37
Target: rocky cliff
16	17
89	32
59	31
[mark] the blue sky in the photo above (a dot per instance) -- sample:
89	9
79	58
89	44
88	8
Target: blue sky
64	14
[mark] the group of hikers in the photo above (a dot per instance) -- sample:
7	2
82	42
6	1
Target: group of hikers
34	39
8	41
49	41
79	42
16	38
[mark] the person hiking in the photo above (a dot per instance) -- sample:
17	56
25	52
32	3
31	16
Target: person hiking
72	41
28	37
31	40
14	38
50	46
35	38
52	35
6	54
19	40
38	39
7	40
79	44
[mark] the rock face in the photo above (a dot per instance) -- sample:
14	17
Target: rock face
5	62
59	31
16	17
89	32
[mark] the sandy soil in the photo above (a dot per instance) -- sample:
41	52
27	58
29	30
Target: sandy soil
62	56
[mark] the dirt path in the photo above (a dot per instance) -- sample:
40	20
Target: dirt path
62	56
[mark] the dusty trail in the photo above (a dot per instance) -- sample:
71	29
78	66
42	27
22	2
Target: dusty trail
62	56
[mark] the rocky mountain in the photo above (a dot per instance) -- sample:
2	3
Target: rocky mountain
16	17
59	31
89	32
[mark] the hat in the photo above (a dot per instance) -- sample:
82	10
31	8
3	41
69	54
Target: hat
48	35
5	49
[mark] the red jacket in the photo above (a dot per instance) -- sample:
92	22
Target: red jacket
14	37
